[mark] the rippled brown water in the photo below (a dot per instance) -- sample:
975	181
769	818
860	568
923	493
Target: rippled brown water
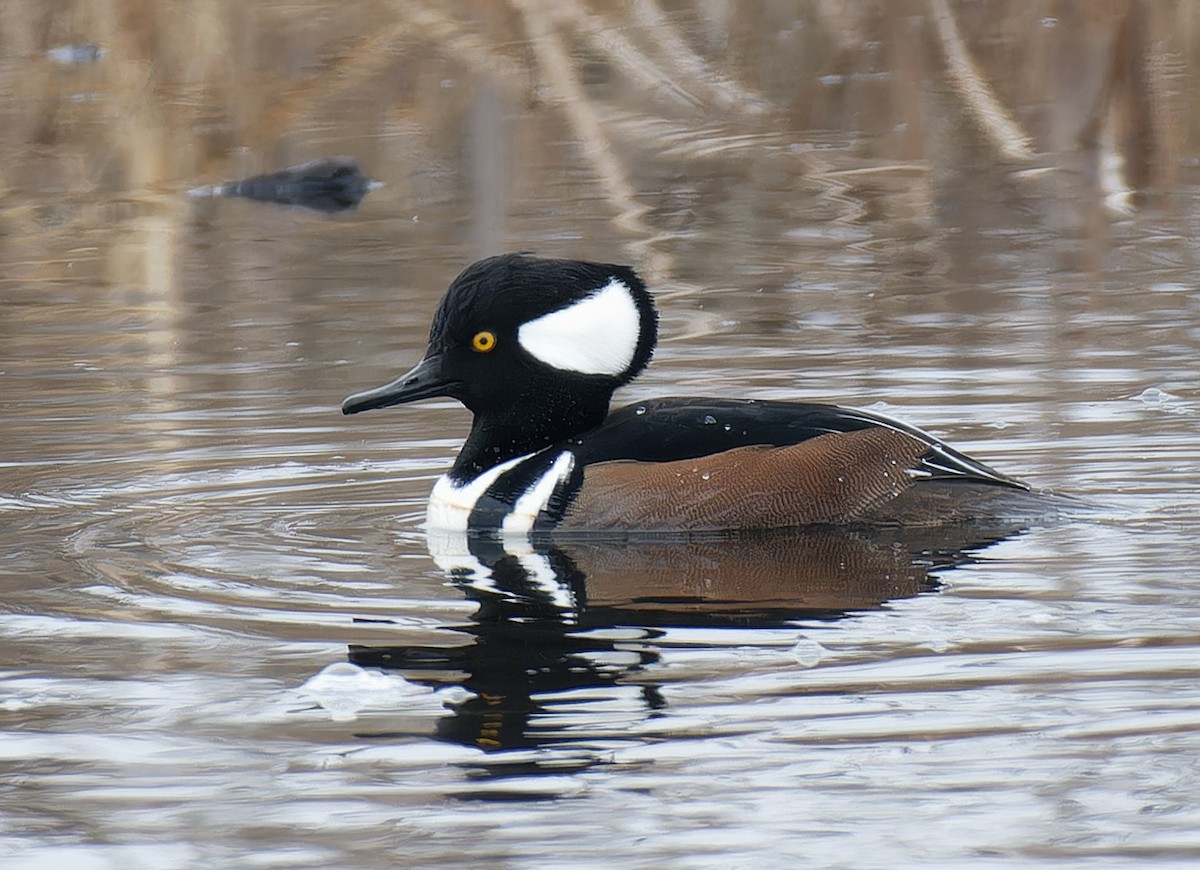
191	534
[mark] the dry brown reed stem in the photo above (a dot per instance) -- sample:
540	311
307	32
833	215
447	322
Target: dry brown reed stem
377	53
560	74
430	23
627	58
997	125
1133	125
689	65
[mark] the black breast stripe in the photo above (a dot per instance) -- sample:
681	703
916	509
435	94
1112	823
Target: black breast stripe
499	499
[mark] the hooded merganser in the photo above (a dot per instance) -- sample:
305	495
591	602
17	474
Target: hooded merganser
534	348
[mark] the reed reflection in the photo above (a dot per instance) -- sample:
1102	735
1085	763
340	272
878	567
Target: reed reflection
587	616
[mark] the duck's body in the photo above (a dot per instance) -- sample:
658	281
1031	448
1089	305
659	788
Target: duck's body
535	348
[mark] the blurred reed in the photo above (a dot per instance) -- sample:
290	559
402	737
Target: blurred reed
94	147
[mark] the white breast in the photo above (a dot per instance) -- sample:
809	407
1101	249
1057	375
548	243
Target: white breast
451	504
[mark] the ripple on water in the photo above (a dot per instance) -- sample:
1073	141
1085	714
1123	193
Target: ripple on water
1021	710
264	550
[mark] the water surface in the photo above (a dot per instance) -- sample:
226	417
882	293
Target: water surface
223	639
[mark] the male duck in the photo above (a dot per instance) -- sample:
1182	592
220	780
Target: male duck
535	348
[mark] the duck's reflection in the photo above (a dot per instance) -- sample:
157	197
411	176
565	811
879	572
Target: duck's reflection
563	625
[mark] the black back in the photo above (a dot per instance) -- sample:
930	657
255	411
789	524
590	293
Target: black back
664	430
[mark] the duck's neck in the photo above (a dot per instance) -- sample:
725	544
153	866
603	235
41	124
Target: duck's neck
499	436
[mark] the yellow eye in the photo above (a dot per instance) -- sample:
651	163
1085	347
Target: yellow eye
483	341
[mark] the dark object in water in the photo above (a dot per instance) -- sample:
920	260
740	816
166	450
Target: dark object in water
331	184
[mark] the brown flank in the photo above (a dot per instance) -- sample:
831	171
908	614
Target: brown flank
832	479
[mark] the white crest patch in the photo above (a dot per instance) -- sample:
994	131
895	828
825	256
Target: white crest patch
597	335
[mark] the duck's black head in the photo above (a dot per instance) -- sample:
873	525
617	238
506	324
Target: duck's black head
534	348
